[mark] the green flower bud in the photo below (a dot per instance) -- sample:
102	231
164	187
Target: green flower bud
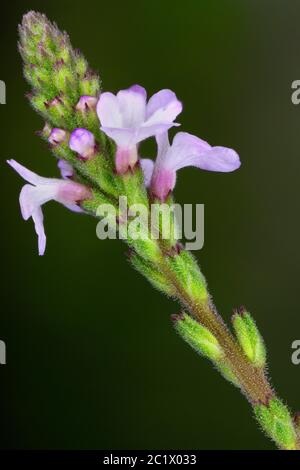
187	270
89	85
249	338
198	337
275	419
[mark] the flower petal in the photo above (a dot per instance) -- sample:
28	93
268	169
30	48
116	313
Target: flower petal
32	197
221	159
108	110
26	174
132	105
189	150
147	131
147	166
123	137
38	219
163	107
163	146
74	208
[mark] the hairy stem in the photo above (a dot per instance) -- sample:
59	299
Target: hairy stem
252	381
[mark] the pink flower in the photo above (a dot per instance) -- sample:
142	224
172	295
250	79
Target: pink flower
41	190
128	119
186	150
82	142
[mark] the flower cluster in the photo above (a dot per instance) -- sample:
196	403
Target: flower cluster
127	118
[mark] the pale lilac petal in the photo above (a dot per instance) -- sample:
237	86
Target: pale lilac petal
163	107
129	137
28	175
65	168
189	150
219	159
147	166
163	146
147	131
132	105
31	197
139	89
38	219
74	208
122	137
108	110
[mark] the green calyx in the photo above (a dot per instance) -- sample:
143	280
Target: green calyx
188	274
275	419
152	273
249	338
198	337
205	343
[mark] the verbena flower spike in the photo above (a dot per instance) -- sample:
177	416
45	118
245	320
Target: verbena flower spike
95	138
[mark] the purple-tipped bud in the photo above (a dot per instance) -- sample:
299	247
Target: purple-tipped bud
86	103
82	142
175	317
57	136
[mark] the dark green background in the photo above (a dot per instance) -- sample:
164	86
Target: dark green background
92	359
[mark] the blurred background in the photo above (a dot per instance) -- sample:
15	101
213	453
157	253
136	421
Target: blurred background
92	358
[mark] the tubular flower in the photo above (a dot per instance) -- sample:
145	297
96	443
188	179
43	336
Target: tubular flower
186	150
41	190
128	119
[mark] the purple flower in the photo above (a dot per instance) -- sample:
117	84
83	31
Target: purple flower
86	103
128	119
186	150
57	136
82	142
41	190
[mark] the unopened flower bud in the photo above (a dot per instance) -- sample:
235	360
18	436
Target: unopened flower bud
65	168
86	103
275	419
82	142
57	136
249	337
198	337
